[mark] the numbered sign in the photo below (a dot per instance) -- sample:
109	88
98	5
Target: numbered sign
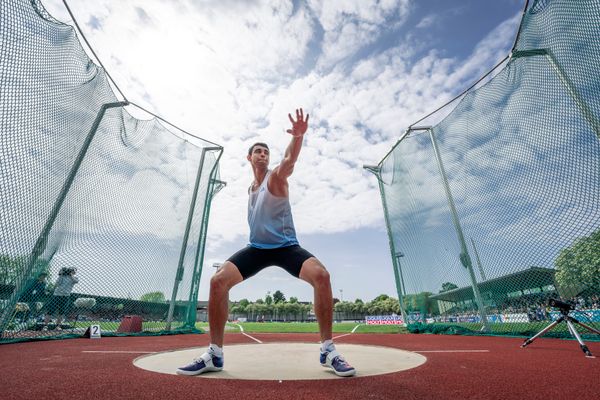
95	332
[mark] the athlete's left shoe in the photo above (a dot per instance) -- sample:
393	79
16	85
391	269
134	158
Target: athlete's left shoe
334	360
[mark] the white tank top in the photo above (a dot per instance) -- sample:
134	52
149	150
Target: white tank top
270	219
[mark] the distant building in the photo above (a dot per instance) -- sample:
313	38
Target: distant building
202	311
530	285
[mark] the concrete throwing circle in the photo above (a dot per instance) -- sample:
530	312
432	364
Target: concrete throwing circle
285	361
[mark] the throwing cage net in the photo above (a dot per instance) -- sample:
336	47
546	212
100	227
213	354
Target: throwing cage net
103	217
495	209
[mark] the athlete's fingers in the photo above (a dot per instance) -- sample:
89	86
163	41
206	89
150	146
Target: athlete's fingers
301	114
307	115
291	119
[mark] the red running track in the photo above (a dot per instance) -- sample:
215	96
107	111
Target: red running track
547	369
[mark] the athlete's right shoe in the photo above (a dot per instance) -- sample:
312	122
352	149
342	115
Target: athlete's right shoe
205	363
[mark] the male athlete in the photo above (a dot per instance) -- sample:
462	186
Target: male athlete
272	242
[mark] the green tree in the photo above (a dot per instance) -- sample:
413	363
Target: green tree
578	266
268	299
358	308
279	310
237	309
381	297
269	310
278	296
414	303
293	299
244	303
251	311
295	309
10	267
446	286
153	297
305	310
374	307
390	306
339	307
261	309
288	310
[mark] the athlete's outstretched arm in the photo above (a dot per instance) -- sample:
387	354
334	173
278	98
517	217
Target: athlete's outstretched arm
298	130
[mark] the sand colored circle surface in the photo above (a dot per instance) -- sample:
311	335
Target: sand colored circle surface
286	361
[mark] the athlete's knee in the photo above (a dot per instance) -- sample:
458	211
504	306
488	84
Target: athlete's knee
225	278
220	282
323	278
320	276
217	283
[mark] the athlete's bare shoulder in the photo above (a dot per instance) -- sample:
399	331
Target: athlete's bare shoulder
278	185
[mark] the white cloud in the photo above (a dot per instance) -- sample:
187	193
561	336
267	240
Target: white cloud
427	21
230	72
350	25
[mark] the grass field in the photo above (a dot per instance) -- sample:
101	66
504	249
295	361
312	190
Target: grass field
258	327
113	326
307	327
509	329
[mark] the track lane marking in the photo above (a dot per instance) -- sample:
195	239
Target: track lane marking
245	334
346	334
450	351
119	351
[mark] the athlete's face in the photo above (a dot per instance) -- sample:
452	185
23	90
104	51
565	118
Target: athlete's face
259	156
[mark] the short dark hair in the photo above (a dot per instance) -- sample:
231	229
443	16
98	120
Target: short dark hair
257	144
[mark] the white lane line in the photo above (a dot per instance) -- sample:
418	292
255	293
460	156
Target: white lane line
451	351
118	351
245	334
337	337
346	334
251	337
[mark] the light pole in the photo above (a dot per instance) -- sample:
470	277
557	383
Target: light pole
342	295
272	304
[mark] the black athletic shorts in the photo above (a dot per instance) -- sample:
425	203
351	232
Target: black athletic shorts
251	260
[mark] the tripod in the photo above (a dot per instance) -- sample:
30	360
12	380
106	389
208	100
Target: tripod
570	321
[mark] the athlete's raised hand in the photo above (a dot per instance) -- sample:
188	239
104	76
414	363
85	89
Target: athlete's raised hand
299	126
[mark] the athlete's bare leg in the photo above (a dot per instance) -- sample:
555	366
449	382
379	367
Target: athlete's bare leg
218	308
315	273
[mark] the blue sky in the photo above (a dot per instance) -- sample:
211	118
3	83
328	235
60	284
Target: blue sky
230	71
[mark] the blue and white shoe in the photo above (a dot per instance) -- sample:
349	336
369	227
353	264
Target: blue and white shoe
334	360
205	363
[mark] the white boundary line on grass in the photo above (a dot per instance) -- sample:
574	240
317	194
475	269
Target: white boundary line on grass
245	334
346	334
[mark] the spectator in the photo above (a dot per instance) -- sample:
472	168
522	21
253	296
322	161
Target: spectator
34	292
59	304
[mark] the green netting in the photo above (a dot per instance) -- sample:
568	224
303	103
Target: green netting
85	186
508	215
